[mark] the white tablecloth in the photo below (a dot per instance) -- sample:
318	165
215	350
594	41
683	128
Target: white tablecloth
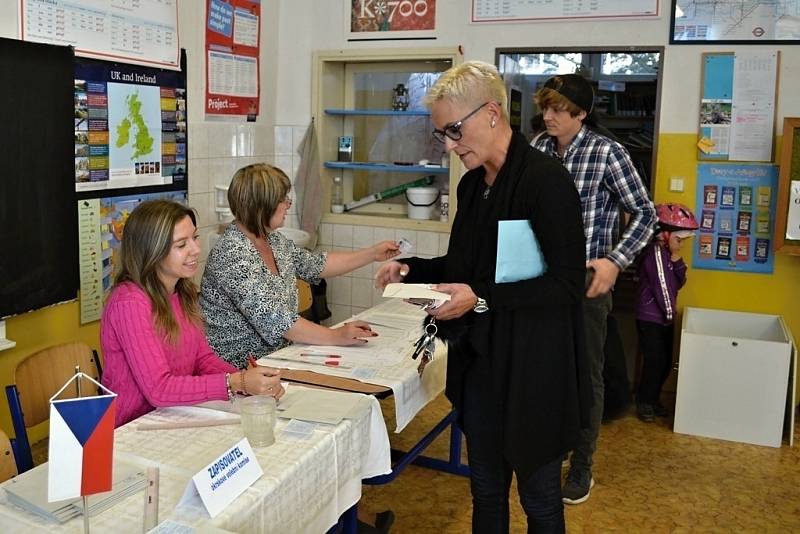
306	486
398	371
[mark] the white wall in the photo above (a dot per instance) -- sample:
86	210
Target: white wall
681	86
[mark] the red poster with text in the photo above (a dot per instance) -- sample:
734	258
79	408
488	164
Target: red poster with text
233	41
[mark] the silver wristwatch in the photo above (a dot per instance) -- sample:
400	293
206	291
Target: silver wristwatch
480	306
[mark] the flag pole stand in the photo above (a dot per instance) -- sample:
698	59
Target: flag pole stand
85	497
85	514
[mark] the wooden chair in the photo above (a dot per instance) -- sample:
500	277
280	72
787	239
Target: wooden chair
37	378
304	297
8	467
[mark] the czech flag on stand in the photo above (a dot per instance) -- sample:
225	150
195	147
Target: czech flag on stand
81	453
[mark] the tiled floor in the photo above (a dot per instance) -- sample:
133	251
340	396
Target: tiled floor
649	479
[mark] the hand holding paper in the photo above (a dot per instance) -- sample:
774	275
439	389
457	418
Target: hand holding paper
413	291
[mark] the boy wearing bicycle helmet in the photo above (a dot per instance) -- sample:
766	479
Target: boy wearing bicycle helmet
662	273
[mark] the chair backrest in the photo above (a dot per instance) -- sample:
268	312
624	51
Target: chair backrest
304	298
41	374
8	467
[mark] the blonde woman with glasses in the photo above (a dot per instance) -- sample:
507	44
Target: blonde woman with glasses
249	291
151	331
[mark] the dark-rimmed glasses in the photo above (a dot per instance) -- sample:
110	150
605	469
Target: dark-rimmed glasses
453	130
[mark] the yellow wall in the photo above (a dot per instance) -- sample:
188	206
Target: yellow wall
775	294
37	330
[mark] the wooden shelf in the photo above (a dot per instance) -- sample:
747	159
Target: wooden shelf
384	220
384	167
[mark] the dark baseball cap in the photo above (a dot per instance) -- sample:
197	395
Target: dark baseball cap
574	88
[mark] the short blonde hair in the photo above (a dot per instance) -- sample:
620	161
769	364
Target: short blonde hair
254	195
474	82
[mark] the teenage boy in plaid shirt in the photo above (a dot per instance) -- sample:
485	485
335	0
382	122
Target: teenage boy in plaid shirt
606	181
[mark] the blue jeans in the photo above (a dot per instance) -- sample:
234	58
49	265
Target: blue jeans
490	473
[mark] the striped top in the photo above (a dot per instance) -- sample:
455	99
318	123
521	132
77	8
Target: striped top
606	181
143	369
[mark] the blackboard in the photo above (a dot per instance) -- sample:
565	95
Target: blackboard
38	210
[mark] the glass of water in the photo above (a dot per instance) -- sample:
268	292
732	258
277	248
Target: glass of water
258	420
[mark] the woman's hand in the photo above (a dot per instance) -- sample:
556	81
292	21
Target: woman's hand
462	300
260	380
385	250
391	272
352	333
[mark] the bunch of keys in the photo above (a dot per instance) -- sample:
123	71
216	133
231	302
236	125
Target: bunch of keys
426	345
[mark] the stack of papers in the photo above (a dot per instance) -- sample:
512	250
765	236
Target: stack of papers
29	492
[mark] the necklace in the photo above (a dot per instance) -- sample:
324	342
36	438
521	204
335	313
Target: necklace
487	191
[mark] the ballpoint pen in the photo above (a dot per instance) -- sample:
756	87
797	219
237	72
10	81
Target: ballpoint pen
319	355
329	363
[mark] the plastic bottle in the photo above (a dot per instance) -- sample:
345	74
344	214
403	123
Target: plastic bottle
444	205
337	195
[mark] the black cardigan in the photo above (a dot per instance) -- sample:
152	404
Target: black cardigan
533	331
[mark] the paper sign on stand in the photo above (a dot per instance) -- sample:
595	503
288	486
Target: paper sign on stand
224	479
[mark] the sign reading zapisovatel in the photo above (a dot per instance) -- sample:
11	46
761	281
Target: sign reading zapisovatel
381	19
736	212
232	48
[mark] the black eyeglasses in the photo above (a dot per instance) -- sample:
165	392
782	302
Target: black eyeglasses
453	130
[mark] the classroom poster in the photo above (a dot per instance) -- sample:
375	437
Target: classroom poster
736	212
233	41
130	126
140	32
373	19
100	224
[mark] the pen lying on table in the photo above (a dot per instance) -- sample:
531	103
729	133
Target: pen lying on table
334	363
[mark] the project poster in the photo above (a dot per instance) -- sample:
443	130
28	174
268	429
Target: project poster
232	57
736	212
100	224
130	126
144	32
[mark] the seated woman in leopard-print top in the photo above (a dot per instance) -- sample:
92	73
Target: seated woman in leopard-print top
248	292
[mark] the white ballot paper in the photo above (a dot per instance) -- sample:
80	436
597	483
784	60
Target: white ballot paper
413	291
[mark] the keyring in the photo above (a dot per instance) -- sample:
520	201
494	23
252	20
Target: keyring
431	331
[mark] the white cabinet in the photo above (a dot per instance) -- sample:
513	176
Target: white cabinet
734	376
352	92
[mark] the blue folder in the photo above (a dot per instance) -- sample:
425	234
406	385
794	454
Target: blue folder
519	256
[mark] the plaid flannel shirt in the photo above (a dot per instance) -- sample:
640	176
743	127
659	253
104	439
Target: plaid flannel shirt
606	181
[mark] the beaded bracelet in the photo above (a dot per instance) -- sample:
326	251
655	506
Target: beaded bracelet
244	386
231	394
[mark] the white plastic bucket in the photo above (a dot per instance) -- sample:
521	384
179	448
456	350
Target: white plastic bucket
421	202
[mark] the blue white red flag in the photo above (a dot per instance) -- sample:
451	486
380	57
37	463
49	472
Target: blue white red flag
81	444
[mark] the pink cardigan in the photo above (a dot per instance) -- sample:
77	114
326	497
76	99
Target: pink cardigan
143	369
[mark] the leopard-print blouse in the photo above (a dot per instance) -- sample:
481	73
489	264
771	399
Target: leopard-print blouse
247	307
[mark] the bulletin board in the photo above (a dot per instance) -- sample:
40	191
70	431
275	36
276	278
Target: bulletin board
736	210
737	106
787	235
38	220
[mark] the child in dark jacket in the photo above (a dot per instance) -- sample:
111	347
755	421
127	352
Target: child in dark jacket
662	273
